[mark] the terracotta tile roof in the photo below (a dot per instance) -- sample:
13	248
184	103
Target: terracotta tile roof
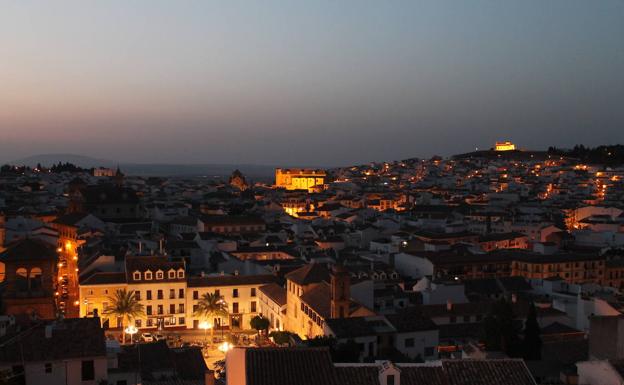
70	219
319	299
70	338
358	375
487	372
275	292
289	366
231	280
310	273
104	278
29	249
153	264
430	375
313	366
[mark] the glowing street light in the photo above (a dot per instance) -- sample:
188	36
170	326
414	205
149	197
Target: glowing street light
205	325
132	330
225	347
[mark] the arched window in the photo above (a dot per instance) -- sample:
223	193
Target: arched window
35	279
21	279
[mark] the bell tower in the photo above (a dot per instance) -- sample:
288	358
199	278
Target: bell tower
340	292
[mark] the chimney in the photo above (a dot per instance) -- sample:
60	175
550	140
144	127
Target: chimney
449	305
209	378
48	331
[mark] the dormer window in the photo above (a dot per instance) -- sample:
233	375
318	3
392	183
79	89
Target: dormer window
148	275
171	274
180	273
136	276
159	274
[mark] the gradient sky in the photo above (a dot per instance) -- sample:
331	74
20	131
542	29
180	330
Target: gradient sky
306	82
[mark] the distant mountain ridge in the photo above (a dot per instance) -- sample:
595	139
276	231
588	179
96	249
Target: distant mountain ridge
256	172
48	160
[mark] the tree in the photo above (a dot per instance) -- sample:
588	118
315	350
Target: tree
501	332
124	306
532	343
211	305
259	323
280	337
348	351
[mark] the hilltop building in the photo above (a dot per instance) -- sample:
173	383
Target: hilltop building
504	146
299	178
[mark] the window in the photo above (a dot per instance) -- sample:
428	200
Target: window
409	342
34	279
181	319
48	367
159	294
195	307
171	293
137	295
253	306
172	309
159	274
88	370
181	293
171	274
180	273
148	275
148	294
253	291
148	310
235	293
218	293
21	279
390	379
136	275
160	309
181	308
195	294
137	323
429	351
234	307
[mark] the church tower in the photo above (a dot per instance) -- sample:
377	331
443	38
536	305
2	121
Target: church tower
340	291
118	179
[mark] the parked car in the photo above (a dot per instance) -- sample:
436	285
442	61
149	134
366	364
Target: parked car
147	337
159	337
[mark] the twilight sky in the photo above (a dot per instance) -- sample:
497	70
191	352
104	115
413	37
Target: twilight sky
306	82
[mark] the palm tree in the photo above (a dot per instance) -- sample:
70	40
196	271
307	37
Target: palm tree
125	306
211	305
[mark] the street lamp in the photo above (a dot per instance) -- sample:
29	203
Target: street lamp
225	347
132	330
205	325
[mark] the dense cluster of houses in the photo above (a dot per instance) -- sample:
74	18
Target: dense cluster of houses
405	260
